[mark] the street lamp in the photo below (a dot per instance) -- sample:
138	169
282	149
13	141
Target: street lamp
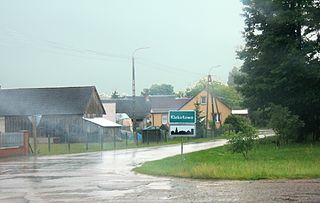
134	93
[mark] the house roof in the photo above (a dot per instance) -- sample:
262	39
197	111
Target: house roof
160	104
47	101
125	105
145	106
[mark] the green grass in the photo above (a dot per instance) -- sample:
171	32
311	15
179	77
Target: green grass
43	149
265	162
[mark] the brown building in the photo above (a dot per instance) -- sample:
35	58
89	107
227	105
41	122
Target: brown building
161	105
210	106
153	110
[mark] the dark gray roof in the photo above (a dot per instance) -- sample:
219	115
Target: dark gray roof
147	105
47	101
161	104
125	105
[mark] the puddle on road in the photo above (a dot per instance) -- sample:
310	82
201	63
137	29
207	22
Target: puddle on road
119	189
162	185
109	194
121	185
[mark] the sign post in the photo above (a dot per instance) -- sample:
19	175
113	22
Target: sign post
182	124
35	120
181	146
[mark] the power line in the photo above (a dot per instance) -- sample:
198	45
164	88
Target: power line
169	67
73	51
30	40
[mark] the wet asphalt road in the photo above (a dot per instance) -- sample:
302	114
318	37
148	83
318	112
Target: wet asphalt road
107	177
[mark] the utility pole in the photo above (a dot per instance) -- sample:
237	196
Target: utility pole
209	81
134	101
34	132
209	93
35	120
134	120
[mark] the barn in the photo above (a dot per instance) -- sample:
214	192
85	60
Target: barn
56	112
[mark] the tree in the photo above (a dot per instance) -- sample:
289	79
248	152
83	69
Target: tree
285	125
196	88
260	117
145	92
236	123
180	94
115	95
155	89
281	58
200	125
234	73
240	134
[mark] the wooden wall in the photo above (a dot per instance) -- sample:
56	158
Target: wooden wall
2	124
64	128
53	125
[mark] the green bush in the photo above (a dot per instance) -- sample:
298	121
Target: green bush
240	134
285	125
236	123
260	117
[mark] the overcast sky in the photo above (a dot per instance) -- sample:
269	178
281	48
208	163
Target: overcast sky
90	42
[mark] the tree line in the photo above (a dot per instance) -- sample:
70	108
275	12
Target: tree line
226	93
280	76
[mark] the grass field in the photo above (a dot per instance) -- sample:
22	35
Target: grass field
265	162
55	149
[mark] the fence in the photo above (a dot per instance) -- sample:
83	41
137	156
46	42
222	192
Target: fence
14	144
11	139
72	142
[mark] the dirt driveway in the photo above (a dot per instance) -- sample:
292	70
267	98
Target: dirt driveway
107	177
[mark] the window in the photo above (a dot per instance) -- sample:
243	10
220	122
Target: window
217	117
203	100
164	119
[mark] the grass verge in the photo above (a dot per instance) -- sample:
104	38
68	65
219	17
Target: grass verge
265	162
61	148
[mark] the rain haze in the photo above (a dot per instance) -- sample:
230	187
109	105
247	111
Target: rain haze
77	43
78	124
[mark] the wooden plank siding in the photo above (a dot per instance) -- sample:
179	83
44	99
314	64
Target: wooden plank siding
94	106
68	128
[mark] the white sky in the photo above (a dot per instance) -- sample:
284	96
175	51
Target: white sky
89	42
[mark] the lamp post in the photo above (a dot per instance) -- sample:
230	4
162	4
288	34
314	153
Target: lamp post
134	94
